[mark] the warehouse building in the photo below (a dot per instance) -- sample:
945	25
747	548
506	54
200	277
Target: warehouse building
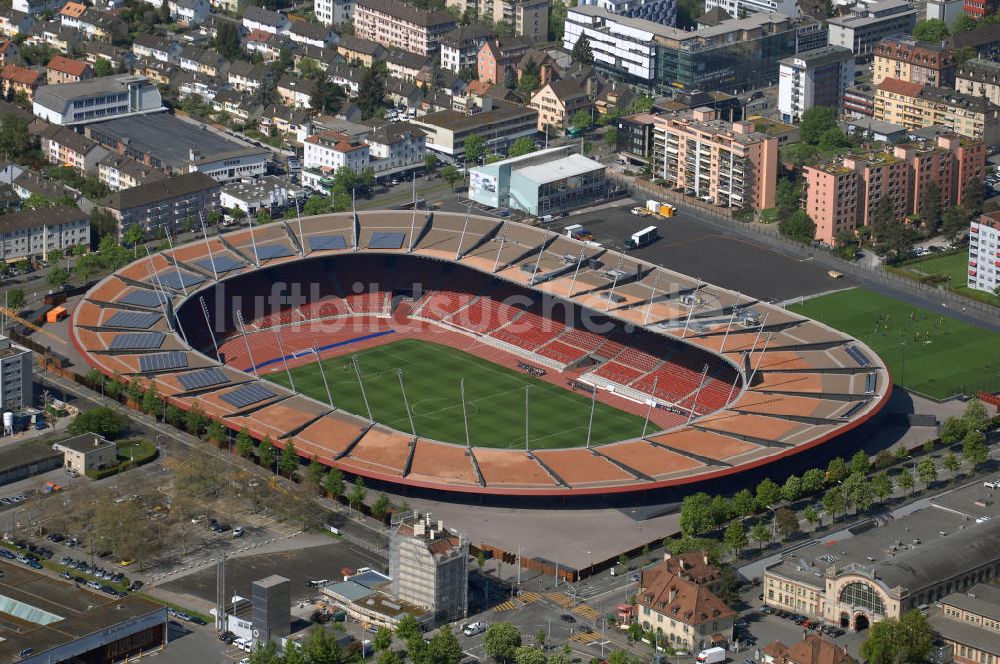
541	183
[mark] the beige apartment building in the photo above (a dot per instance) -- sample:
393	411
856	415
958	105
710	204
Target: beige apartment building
904	58
529	18
979	78
396	24
725	163
915	105
558	101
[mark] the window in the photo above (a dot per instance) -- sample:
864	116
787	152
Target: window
863	596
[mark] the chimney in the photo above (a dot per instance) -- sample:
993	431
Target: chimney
704	559
440	525
666	555
97	441
194	154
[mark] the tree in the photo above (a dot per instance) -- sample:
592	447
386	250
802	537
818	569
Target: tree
815	121
381	506
768	493
859	463
788	522
522	146
388	657
930	207
314	472
475	147
289	461
322	648
953	430
972	196
976	417
15	141
760	534
882	485
798	226
14	299
383	639
227	40
858	492
735	537
501	642
581	120
792	488
333	483
244	444
358	492
408	628
540	638
101	420
811	515
931	30
431	161
926	471
974	449
445	648
582	53
557	20
326	97
833	502
451	175
58	277
834	139
951	463
954	222
266	453
905	480
696	515
371	90
902	640
812	481
529	655
786	197
836	471
151	403
744	503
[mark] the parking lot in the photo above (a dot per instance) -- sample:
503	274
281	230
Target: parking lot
697	249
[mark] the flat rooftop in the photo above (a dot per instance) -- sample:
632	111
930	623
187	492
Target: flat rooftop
41	612
171	140
560	169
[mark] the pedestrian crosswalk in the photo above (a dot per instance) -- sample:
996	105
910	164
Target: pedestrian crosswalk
562	599
584	637
588	612
509	605
529	597
172	463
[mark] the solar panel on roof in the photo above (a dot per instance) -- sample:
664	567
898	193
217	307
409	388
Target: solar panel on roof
246	395
142	298
273	251
137	340
222	263
173	359
326	242
203	378
170	279
386	241
134	320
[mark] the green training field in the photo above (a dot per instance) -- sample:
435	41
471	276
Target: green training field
943	356
494	397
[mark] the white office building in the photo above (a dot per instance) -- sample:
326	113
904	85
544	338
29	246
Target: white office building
944	10
660	11
984	253
814	78
96	100
15	376
333	12
737	8
868	23
619	43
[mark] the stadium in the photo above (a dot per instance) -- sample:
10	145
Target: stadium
469	356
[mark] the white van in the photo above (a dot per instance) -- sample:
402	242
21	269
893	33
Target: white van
474	628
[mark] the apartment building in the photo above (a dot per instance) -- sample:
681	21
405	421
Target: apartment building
37	232
984	253
914	105
333	12
395	23
460	47
500	122
558	101
744	7
969	622
529	18
65	147
396	148
97	99
727	163
740	54
843	195
429	566
164	204
868	23
498	58
814	78
978	9
16	391
979	78
61	69
326	151
120	172
907	59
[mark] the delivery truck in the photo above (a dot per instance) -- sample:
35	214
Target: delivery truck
642	238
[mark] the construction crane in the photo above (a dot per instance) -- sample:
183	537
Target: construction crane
28	324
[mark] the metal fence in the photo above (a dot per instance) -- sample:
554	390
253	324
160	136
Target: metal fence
877	276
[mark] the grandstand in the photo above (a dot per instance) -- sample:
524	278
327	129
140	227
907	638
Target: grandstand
728	383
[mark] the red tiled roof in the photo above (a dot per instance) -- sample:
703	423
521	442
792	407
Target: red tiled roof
21	75
905	88
682	600
68	66
259	36
72	9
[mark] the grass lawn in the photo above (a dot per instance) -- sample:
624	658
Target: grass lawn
943	357
953	266
494	397
137	450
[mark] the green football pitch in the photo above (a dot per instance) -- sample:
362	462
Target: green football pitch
494	398
926	351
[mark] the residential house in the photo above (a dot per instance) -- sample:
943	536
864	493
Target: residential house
258	18
684	614
402	94
405	65
190	57
295	91
160	73
65	147
396	148
54	35
908	59
121	172
189	12
63	70
14	23
499	58
345	76
35	7
231	6
321	57
540	64
30	183
460	47
237	105
320	36
157	48
16	80
246	77
164	204
96	24
119	58
557	102
268	44
399	24
979	78
276	120
326	151
333	12
10	52
983	39
189	83
812	649
356	49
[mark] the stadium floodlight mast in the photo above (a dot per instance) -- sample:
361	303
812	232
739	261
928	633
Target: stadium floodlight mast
253	242
527	389
649	305
406	403
322	372
649	408
614	284
166	303
593	404
208	324
302	235
541	250
465	226
694	305
465	415
284	358
238	315
579	262
361	383
356	224
177	265
413	218
732	319
208	245
503	240
697	393
760	357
